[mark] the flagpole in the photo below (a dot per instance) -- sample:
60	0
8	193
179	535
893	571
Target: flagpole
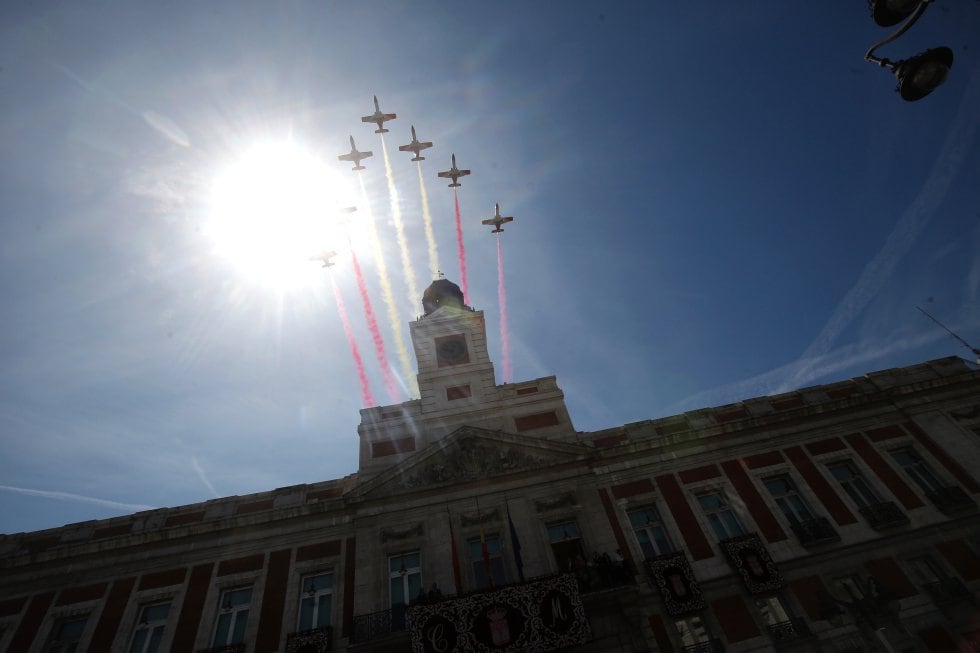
457	580
484	551
515	544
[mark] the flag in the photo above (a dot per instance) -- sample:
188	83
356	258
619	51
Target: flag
484	550
515	545
452	546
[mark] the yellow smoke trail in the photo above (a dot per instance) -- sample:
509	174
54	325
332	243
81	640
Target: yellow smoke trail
394	318
396	217
429	236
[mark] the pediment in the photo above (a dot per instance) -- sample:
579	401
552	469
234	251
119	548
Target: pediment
470	454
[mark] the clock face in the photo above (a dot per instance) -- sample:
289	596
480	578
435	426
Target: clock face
451	350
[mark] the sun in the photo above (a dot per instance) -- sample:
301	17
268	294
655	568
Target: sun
273	208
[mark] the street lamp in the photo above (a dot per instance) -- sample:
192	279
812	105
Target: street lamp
922	74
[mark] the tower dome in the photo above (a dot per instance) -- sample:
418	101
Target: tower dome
441	292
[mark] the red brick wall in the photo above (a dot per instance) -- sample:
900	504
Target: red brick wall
162	579
320	550
963	559
760	512
694	537
700	474
633	488
391	447
807	591
79	594
960	474
827	495
273	601
239	565
616	529
349	563
190	613
115	605
30	623
891	576
735	619
884	471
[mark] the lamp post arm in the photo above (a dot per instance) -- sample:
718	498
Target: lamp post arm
904	27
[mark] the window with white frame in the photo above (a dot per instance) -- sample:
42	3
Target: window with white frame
566	544
479	565
692	631
404	578
232	616
722	519
773	610
918	470
316	601
788	498
152	621
853	483
924	570
66	634
650	532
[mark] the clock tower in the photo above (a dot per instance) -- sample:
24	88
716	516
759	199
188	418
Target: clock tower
457	388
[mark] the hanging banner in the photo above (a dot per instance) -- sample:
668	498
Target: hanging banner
543	615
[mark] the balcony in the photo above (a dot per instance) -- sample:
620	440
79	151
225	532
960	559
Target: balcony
750	558
230	648
379	624
316	640
673	577
950	500
714	645
884	515
789	632
948	590
814	532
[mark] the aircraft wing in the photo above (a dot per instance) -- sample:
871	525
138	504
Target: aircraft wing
488	221
346	157
388	116
368	119
424	145
503	220
446	174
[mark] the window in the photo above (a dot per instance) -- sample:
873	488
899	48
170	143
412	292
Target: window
924	570
404	578
316	599
773	610
650	532
788	499
232	616
917	470
66	634
853	483
479	566
692	631
149	628
566	544
723	521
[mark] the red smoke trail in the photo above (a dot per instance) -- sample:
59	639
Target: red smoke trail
372	321
502	299
462	251
366	395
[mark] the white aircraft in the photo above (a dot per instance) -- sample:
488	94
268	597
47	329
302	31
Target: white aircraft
324	257
378	118
497	219
355	156
415	146
454	173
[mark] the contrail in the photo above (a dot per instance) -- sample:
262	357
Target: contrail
77	498
366	395
429	236
959	142
204	479
502	300
462	251
372	322
394	318
396	217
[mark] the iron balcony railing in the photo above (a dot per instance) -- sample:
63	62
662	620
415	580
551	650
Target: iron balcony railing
787	632
713	645
948	590
315	640
815	531
228	648
950	500
378	624
884	515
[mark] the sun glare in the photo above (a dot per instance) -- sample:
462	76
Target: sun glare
274	208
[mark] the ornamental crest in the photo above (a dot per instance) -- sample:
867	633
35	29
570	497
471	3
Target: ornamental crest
752	561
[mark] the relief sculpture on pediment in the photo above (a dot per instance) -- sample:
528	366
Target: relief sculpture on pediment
472	461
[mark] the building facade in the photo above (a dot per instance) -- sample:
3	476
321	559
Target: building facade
840	517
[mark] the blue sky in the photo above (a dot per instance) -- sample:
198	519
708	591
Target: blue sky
712	202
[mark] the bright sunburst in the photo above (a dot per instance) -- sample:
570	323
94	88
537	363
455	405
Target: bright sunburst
274	208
